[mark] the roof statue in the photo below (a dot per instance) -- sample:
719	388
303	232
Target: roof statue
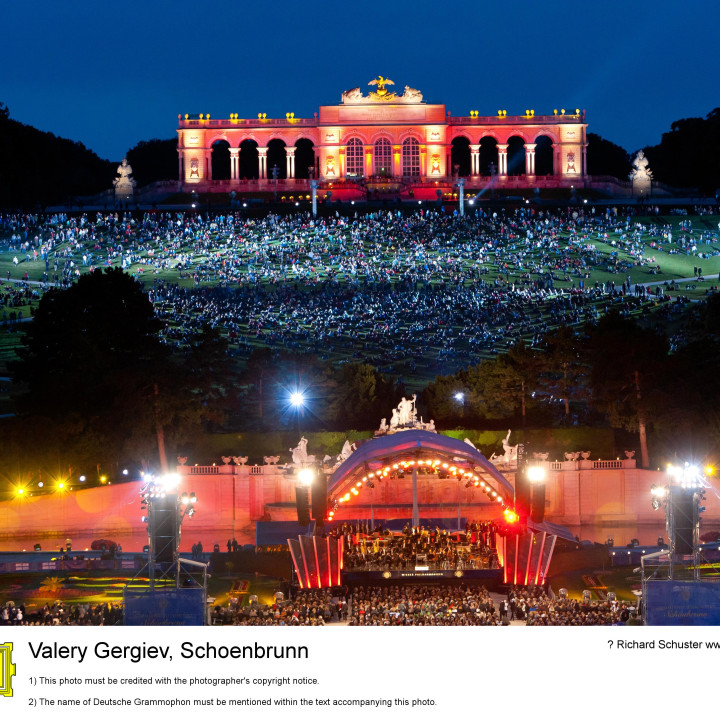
382	93
354	96
412	95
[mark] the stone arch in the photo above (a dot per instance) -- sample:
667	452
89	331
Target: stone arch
304	157
460	156
488	154
218	136
544	155
276	158
411	134
249	166
220	159
240	138
516	155
547	132
354	134
415	445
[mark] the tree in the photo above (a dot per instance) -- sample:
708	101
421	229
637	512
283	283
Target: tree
564	368
688	155
607	158
493	388
627	363
94	367
523	365
439	398
154	160
38	167
361	396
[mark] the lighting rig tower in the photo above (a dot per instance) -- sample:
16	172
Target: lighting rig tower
166	509
682	499
529	487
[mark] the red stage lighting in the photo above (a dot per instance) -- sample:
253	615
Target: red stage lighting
511	517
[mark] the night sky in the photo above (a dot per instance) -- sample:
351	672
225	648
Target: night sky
110	74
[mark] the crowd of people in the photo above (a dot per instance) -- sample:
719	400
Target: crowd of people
366	285
363	605
62	613
419	604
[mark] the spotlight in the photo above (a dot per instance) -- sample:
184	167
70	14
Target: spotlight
306	476
169	481
297	399
536	473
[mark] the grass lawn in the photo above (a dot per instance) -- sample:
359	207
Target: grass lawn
34	590
622	581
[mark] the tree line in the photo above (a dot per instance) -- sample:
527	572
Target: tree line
618	371
96	384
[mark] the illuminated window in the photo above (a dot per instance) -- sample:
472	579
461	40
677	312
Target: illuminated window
410	158
354	158
383	158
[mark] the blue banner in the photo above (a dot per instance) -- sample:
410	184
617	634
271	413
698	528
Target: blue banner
675	602
165	607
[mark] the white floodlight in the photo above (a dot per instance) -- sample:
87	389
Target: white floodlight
536	473
169	481
306	476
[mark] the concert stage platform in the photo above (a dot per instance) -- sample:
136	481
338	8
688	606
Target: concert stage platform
491	579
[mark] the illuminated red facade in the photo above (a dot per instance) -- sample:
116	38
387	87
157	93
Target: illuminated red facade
385	136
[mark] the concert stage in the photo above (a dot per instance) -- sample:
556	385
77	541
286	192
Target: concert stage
491	579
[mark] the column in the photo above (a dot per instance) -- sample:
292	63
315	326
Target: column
397	161
342	172
557	168
181	158
474	160
208	164
369	153
415	507
502	160
262	162
584	160
234	164
290	160
530	159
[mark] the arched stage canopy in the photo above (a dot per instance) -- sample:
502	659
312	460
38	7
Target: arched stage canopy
420	450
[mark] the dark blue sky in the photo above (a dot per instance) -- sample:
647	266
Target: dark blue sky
112	73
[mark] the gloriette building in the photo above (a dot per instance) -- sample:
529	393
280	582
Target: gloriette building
383	141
